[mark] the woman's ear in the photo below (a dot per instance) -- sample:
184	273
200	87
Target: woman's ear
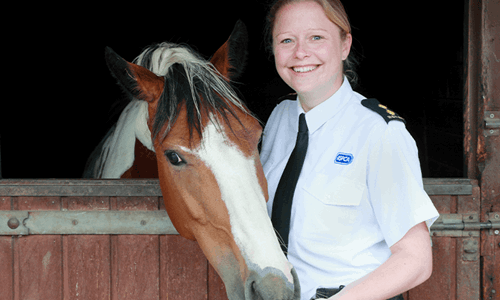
346	46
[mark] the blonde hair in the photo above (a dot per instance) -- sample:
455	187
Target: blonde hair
335	12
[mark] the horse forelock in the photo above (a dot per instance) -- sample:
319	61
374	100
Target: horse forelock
189	80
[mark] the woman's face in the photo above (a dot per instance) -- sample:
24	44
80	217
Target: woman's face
308	50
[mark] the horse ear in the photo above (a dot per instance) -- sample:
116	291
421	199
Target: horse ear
138	81
231	57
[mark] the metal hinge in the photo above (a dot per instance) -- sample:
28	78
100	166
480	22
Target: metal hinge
491	123
85	222
494	219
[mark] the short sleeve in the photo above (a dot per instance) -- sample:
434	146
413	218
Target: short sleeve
395	183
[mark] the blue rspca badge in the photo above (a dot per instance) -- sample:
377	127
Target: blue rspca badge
344	158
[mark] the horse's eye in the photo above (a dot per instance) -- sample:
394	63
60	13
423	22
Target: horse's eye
174	158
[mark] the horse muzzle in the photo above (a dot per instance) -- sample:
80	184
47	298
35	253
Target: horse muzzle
272	285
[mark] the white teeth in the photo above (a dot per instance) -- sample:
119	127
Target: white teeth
304	69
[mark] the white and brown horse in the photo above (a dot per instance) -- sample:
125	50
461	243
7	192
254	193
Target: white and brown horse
188	127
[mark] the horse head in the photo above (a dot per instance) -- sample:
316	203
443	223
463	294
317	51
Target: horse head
210	173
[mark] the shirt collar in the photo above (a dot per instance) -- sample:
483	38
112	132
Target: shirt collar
326	110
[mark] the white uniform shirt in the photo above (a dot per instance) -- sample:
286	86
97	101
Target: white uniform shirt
359	192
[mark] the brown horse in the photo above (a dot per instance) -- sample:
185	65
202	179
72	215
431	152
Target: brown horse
189	128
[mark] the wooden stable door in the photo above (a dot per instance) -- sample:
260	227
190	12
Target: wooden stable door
112	239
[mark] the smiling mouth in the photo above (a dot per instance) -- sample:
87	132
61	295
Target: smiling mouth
304	69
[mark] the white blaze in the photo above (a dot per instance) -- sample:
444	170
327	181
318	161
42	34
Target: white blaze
240	189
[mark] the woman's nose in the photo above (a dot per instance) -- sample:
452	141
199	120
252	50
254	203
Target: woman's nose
301	51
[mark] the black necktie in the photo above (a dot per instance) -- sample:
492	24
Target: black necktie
282	205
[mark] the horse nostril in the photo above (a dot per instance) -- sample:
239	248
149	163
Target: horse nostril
255	292
252	289
272	286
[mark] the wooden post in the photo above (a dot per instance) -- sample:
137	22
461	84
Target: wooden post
488	146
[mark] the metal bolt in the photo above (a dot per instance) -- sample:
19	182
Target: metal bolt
75	222
471	217
497	216
491	131
13	223
492	116
143	222
497	232
493	291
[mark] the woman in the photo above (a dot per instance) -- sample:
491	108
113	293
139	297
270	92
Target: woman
359	215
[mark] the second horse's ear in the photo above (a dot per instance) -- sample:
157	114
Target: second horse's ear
137	81
230	59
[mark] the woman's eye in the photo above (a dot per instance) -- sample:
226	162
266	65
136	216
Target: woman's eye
174	158
286	41
317	38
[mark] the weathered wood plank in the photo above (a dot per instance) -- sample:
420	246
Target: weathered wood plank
80	187
38	258
135	259
183	269
151	187
87	261
468	251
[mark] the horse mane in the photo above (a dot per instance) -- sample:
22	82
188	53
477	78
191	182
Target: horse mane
189	80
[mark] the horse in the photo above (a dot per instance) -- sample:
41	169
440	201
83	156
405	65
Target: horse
186	125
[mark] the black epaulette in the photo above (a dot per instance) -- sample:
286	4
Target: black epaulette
382	110
291	96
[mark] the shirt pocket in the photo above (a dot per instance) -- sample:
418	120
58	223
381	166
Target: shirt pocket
334	209
338	191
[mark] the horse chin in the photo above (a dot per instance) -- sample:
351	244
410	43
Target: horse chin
247	281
